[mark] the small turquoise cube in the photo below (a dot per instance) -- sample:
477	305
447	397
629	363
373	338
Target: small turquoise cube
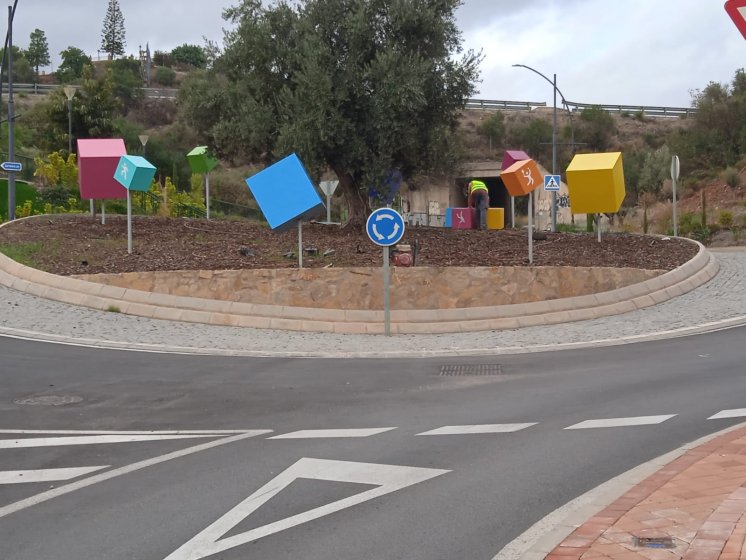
134	173
285	194
449	218
200	161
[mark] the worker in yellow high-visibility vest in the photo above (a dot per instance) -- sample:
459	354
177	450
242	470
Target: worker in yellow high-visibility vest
479	197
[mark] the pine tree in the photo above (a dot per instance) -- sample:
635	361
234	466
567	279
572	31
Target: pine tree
38	50
112	35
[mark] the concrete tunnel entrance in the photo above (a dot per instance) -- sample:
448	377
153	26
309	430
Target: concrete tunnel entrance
499	197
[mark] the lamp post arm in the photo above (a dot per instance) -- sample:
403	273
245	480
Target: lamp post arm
535	72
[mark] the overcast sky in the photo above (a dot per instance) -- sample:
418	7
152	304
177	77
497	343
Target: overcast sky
646	52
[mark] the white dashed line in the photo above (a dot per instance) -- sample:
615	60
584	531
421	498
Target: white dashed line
620	422
45	475
478	429
353	433
733	413
91	440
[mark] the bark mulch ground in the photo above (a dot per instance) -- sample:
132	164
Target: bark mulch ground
75	244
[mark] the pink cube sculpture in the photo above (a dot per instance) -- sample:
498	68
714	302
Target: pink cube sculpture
97	163
463	218
512	156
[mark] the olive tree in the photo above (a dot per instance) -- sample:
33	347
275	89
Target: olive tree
360	87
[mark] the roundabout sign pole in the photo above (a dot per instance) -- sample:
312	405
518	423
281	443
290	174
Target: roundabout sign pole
385	227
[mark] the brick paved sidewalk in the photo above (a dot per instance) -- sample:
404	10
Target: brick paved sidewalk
692	509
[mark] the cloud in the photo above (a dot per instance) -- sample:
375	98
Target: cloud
629	52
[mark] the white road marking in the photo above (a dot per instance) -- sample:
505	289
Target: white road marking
122	432
108	475
45	475
352	433
478	429
387	478
733	413
619	422
91	440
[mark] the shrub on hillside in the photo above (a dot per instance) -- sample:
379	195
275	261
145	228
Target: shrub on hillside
725	219
493	128
731	177
165	76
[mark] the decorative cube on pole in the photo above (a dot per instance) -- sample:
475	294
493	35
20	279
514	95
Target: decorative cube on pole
134	173
521	178
200	161
512	156
98	159
286	195
509	158
596	184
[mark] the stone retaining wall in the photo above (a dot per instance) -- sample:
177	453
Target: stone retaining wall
361	288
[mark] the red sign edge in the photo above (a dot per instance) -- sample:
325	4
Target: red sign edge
731	7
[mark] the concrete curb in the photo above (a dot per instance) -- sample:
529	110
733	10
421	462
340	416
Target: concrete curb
683	279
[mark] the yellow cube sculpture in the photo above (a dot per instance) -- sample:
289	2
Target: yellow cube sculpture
495	218
596	183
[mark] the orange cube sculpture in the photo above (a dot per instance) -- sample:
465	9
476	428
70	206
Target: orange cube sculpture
522	177
596	183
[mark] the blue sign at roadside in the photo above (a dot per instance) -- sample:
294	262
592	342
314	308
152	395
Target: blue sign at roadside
385	227
552	183
11	166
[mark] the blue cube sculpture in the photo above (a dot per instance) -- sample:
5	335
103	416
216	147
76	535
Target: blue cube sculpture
285	193
134	173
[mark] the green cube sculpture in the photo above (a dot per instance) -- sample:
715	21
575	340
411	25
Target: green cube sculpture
200	161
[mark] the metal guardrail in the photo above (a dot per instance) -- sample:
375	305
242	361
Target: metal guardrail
43	89
646	110
483	104
491	104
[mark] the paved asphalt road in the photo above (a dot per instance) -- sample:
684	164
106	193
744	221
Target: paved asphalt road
138	490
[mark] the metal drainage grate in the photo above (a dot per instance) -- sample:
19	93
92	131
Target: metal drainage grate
653	542
49	400
471	369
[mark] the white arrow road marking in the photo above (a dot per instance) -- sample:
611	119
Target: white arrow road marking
478	429
384	217
92	440
617	422
108	475
733	413
353	433
45	475
388	478
395	232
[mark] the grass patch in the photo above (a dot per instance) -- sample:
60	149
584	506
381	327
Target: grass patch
23	253
113	309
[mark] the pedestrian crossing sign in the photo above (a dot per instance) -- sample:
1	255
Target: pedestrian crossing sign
552	183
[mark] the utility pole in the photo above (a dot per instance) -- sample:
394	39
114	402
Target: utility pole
553	212
11	122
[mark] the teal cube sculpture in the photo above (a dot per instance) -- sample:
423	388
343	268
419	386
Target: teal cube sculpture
200	161
134	173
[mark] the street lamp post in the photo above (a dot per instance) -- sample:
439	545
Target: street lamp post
144	141
70	93
554	134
